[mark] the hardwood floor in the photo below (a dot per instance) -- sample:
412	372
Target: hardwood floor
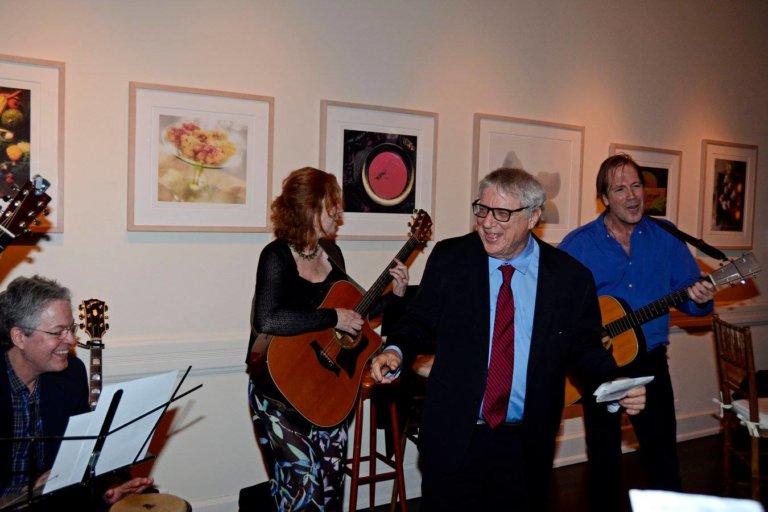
700	465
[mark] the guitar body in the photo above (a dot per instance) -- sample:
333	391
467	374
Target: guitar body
624	346
319	372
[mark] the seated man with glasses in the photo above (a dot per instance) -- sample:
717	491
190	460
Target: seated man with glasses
42	384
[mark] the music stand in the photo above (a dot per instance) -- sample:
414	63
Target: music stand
110	449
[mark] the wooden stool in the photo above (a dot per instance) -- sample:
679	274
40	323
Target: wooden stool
152	501
352	466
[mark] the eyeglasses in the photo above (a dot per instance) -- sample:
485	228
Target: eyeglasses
62	333
500	214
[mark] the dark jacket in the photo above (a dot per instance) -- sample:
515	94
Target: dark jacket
452	307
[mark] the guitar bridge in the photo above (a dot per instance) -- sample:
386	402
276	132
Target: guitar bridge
325	361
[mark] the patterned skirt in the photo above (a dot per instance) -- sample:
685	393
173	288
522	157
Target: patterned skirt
306	461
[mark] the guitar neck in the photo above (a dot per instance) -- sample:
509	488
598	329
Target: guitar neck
364	306
647	313
95	373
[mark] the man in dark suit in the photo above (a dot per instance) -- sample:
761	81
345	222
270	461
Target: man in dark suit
472	458
42	384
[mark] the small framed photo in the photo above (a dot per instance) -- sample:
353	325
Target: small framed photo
728	206
661	174
385	160
32	131
551	152
199	160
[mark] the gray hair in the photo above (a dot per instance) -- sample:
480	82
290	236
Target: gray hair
508	180
22	303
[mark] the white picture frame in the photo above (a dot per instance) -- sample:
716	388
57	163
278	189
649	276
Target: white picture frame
41	84
551	152
175	188
728	171
355	141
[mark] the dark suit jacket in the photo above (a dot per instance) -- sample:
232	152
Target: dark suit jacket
452	307
62	394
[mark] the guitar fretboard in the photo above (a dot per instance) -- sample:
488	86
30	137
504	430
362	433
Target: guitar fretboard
364	306
646	313
95	381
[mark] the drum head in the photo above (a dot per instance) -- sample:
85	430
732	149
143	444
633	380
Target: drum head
151	502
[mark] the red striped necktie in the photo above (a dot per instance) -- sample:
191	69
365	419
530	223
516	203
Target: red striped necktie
499	383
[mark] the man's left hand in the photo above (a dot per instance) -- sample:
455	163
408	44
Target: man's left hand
634	402
135	486
701	292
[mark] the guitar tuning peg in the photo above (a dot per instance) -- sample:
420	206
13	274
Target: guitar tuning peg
81	325
106	326
6	198
81	317
106	308
81	307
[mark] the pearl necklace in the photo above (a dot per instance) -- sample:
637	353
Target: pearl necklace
306	257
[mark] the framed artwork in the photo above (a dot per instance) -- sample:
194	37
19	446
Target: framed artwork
384	159
661	175
551	152
728	206
199	160
32	131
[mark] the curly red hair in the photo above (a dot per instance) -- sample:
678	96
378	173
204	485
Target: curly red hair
296	211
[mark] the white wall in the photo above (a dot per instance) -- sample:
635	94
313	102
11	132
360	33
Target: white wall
654	73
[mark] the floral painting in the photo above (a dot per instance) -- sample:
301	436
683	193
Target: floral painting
201	160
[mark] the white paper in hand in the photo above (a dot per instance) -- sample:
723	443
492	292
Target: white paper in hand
617	389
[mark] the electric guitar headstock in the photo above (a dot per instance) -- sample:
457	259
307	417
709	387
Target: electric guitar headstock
22	210
93	316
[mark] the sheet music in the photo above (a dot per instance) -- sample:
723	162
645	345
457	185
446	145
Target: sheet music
617	389
122	447
139	396
666	501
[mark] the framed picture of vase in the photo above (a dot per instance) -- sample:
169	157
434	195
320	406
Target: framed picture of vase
661	177
728	172
199	159
551	152
32	132
384	159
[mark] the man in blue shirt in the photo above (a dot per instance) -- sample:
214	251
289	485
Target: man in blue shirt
637	261
494	400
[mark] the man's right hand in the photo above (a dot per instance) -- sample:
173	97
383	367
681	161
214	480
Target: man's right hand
384	366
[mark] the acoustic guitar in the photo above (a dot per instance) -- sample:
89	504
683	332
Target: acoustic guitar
319	372
21	212
621	325
94	317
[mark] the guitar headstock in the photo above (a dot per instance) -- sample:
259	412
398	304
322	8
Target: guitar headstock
30	201
93	313
738	269
421	226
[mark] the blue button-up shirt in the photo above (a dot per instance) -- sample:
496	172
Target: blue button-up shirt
659	264
524	282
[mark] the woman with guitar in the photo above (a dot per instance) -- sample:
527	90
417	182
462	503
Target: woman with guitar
295	273
636	262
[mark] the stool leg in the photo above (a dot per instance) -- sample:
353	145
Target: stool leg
395	486
353	485
372	455
397	445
